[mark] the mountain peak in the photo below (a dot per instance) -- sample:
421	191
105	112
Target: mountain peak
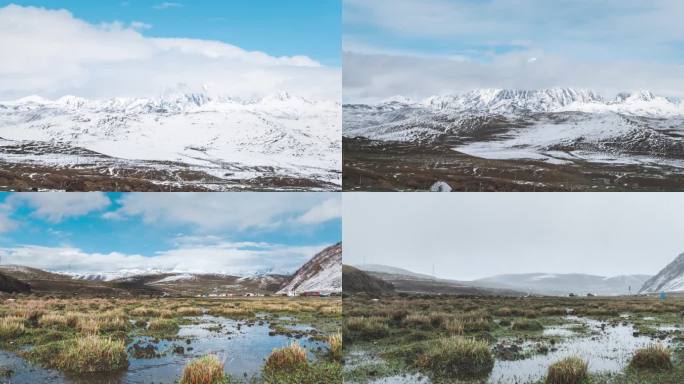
323	273
669	279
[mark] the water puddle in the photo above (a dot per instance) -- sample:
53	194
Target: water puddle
242	346
403	379
25	372
606	348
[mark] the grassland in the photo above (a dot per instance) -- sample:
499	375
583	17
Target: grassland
88	336
454	339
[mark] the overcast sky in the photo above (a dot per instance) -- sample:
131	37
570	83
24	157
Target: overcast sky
476	235
147	48
419	48
236	233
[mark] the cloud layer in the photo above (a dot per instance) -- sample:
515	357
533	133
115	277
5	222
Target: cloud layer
422	48
236	259
55	207
202	211
233	210
51	53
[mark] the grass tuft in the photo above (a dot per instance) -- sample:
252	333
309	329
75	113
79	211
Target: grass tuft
654	358
286	359
163	325
571	370
527	325
88	354
204	370
457	357
11	326
335	343
53	320
372	327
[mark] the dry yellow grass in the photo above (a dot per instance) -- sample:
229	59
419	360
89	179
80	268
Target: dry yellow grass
571	370
204	370
335	345
286	359
162	325
53	320
11	326
144	311
189	311
654	357
88	325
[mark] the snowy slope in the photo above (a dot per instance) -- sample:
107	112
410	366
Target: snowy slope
669	279
281	131
553	125
323	273
111	276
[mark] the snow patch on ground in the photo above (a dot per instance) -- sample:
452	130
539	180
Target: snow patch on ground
170	279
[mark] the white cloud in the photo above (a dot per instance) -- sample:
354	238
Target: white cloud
53	54
167	5
327	210
56	206
139	25
211	211
219	257
6	223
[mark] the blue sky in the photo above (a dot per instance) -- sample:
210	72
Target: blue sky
290	227
480	29
279	28
420	48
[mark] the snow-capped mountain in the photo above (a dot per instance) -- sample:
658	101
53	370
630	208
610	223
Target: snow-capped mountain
323	273
518	102
554	125
144	283
564	284
669	279
165	276
111	276
280	134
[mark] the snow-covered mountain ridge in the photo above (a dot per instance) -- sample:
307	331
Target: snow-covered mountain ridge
171	103
517	101
169	275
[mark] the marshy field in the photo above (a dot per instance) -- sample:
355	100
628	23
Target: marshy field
170	340
409	338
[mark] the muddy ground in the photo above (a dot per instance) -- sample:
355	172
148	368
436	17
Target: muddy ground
384	166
